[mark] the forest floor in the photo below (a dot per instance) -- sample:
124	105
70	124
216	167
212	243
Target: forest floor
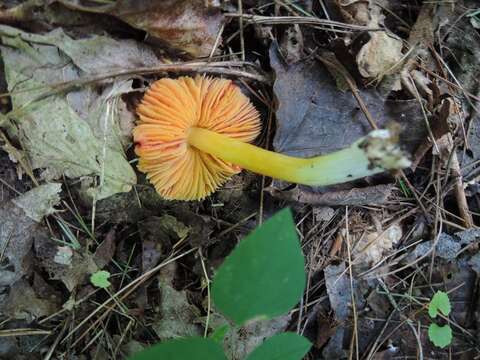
322	73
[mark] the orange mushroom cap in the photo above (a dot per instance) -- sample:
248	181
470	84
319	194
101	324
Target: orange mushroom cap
168	110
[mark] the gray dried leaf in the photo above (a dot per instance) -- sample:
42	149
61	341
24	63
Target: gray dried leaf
315	118
177	315
474	262
40	201
20	225
468	236
339	293
24	303
338	290
78	134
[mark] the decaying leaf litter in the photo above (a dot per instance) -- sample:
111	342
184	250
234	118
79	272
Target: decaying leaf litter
322	74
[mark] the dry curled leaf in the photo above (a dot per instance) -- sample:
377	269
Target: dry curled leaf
374	246
191	26
380	56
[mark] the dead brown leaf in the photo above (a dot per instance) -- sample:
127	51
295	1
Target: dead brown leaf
314	117
372	247
24	303
190	26
382	54
71	273
327	326
106	250
353	197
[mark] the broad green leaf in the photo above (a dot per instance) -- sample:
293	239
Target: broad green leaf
219	334
100	279
183	349
264	275
440	336
286	346
440	302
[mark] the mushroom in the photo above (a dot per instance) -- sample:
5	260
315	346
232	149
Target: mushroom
193	134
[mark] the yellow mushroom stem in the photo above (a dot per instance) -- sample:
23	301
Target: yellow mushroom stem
372	154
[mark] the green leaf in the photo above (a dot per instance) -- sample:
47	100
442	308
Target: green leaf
219	334
100	279
264	275
440	302
182	349
286	346
440	336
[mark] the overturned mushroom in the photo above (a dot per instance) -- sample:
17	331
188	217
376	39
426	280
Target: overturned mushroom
193	135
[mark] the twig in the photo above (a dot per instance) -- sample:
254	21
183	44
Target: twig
459	192
352	290
220	68
50	352
376	345
407	320
240	24
209	300
23	332
302	20
353	87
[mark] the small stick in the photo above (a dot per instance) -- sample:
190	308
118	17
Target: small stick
302	20
240	23
219	67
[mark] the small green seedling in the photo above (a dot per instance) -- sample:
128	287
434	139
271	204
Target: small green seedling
262	278
100	279
405	189
439	303
440	336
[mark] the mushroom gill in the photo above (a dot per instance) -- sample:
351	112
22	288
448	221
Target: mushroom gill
170	109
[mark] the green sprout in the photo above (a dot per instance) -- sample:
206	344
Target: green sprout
440	336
